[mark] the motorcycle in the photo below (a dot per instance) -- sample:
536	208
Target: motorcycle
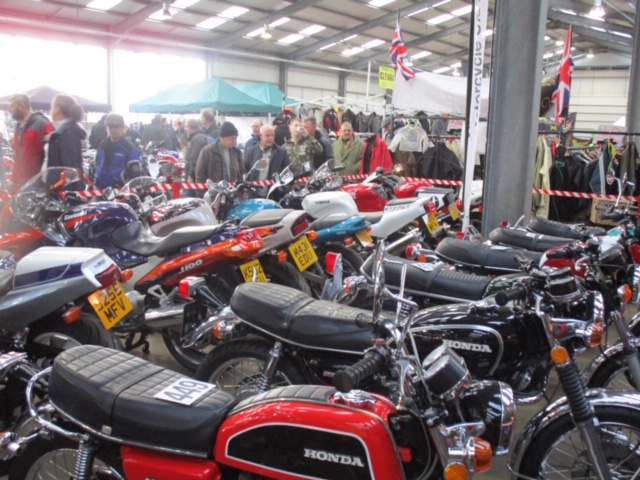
157	263
44	298
431	422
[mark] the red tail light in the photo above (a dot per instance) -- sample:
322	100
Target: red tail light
412	251
459	203
430	207
187	286
300	226
109	276
504	224
330	262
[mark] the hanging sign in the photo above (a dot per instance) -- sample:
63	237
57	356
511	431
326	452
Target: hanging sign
386	77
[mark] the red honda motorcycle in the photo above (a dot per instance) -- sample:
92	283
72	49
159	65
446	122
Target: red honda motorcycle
121	417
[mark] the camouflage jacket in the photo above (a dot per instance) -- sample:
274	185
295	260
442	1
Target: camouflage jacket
303	150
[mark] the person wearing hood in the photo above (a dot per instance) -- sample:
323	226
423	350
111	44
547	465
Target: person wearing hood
28	140
65	142
155	132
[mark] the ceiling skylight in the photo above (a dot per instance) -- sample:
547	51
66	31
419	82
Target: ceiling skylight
328	46
233	12
488	33
462	11
440	19
275	24
313	29
373	43
422	54
211	23
380	3
184	3
548	55
442	70
160	14
352	51
291	38
103	4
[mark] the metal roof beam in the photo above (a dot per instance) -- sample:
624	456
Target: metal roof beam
137	18
587	22
403	12
612	42
584	8
445	32
228	38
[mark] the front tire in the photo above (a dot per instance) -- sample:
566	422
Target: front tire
614	374
557	451
236	368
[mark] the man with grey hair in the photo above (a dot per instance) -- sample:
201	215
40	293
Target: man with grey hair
311	126
208	119
28	140
255	134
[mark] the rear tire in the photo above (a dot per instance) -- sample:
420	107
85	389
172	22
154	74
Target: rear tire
284	273
235	367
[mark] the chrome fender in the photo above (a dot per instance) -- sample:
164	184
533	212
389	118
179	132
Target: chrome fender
634	324
560	408
597	362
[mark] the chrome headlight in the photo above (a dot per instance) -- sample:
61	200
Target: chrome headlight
491	402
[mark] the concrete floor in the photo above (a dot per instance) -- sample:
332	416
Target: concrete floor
499	471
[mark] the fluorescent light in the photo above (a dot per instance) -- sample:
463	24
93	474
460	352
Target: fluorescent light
373	43
211	23
352	51
620	34
442	70
419	11
456	65
443	2
291	38
348	38
462	11
548	55
279	22
380	3
488	33
313	29
233	12
598	29
184	3
590	54
159	15
422	54
103	4
560	52
255	33
547	38
328	46
440	19
559	43
568	12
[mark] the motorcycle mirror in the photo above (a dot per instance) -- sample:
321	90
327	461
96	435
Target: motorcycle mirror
261	164
379	170
338	168
276	177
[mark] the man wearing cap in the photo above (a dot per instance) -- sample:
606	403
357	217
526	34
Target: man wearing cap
221	160
114	153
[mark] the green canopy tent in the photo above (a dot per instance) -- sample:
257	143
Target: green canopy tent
267	93
212	93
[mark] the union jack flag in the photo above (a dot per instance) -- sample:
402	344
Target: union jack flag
399	57
561	94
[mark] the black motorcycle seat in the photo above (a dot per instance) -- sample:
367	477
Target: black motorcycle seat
135	238
329	221
372	217
299	319
113	393
482	256
265	218
527	240
557	229
434	279
6	276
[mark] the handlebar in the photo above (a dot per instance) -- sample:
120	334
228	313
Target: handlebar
519	292
374	359
615	216
564	252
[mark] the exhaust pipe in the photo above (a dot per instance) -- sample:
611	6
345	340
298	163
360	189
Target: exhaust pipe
164	317
204	332
398	247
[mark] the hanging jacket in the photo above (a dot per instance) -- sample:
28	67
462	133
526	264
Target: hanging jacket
410	138
375	154
440	163
330	120
28	147
349	116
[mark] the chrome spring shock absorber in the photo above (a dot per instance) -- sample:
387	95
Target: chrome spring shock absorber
270	367
84	460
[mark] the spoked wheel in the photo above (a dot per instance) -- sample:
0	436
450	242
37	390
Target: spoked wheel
558	452
236	367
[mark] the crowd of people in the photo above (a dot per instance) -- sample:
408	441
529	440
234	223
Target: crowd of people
210	150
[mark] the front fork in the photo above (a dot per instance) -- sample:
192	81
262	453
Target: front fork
583	414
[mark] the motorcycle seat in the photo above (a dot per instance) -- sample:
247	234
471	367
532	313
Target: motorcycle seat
400	201
113	393
135	238
329	221
265	218
6	275
372	217
297	318
557	229
483	256
423	191
434	279
527	240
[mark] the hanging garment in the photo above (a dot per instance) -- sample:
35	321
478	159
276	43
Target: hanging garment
440	163
410	138
541	179
349	116
376	154
330	121
375	123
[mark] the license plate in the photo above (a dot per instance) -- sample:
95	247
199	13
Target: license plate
252	268
431	221
303	253
365	238
454	211
111	305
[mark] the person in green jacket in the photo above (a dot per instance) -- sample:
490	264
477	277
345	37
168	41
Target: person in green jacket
347	150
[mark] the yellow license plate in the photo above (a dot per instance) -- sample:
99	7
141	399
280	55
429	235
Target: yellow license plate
111	304
454	211
431	221
364	238
251	269
303	253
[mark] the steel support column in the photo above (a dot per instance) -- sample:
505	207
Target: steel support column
342	84
513	110
210	60
111	83
633	105
284	76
